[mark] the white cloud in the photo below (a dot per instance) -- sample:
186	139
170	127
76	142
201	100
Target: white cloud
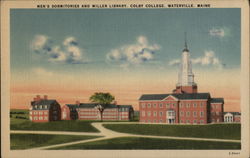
174	62
208	59
70	41
68	52
41	44
219	32
137	53
42	72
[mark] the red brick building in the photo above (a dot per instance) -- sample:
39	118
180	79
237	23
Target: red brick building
44	110
184	105
88	111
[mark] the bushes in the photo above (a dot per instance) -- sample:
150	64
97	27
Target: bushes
21	117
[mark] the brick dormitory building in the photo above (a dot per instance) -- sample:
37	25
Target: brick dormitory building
184	105
88	111
47	110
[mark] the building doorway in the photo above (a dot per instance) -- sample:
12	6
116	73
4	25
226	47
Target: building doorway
170	116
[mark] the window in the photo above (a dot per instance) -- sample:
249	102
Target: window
40	106
45	118
201	121
35	118
160	121
201	114
148	121
30	112
149	113
36	106
155	113
187	113
143	105
194	105
181	121
40	113
195	121
174	105
143	113
155	105
149	105
167	105
35	112
187	121
187	105
31	118
46	106
160	113
182	113
45	113
160	105
194	113
201	105
171	113
40	118
154	121
181	105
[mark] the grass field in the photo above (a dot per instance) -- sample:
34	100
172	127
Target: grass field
222	131
65	125
26	141
150	143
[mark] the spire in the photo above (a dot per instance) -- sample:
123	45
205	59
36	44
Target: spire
186	48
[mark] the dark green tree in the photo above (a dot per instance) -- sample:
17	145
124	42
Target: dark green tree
102	100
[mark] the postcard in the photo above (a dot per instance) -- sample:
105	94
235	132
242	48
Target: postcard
125	79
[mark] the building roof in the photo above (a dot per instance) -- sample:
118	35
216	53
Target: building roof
42	102
217	100
233	113
183	96
92	105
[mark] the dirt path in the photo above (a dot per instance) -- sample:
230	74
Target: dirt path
109	134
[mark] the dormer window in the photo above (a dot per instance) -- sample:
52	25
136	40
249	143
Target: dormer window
40	106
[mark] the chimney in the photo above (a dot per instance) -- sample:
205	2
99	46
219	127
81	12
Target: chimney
77	102
45	97
38	97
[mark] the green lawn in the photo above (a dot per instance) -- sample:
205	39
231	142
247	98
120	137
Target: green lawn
222	131
64	125
151	143
26	141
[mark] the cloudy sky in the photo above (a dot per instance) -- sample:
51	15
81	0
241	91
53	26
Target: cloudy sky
70	54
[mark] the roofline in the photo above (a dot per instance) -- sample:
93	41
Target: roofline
178	100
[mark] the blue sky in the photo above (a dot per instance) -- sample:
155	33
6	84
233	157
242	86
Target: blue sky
70	54
99	31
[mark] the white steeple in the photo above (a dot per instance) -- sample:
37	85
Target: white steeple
185	76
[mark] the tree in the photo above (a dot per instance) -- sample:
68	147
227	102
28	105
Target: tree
102	100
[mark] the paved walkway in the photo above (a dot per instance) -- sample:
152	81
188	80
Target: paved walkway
109	134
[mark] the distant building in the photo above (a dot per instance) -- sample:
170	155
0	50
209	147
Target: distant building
184	105
230	117
44	110
88	111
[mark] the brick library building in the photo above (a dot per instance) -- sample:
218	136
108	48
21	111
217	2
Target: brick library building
184	105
